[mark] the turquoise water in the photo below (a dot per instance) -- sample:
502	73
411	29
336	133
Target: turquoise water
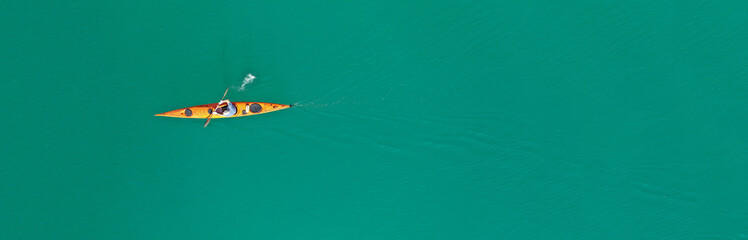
415	120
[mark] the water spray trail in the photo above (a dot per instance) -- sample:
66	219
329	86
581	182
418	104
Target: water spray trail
247	80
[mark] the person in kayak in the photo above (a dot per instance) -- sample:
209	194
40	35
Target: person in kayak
226	109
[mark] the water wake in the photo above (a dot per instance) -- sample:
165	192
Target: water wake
316	104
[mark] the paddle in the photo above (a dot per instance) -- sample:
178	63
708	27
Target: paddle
214	110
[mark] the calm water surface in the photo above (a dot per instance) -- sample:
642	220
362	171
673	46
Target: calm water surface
415	120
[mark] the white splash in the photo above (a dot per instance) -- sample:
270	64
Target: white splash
247	80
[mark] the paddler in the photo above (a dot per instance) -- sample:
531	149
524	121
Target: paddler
226	109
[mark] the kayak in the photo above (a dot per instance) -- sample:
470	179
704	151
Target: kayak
242	109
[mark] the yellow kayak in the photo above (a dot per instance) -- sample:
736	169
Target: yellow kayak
242	109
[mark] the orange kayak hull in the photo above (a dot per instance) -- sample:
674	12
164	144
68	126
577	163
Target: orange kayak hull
243	109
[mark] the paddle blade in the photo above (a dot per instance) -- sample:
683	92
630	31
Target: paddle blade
207	121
